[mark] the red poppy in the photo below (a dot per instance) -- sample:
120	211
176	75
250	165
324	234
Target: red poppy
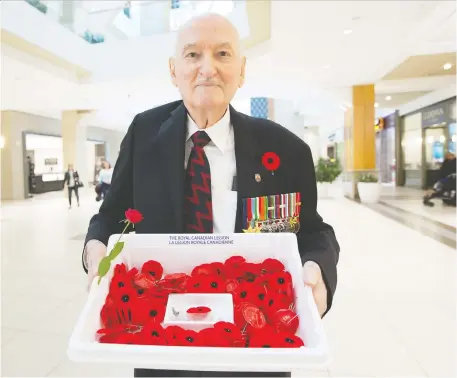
281	282
195	284
114	335
173	335
232	265
133	216
228	331
288	340
270	161
152	268
148	310
266	338
153	334
218	268
245	292
198	313
213	284
271	266
188	338
249	271
210	337
204	269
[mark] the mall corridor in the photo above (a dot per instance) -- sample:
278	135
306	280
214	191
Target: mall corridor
393	314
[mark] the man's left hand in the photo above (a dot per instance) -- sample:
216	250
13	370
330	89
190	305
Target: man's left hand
312	277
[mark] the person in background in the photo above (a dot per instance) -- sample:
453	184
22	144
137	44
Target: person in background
73	183
104	178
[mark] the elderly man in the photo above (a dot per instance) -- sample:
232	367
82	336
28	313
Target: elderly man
162	145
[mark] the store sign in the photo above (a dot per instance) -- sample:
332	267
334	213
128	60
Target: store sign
435	115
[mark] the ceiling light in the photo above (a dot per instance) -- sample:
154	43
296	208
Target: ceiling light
376	104
388	98
347	32
447	66
327	66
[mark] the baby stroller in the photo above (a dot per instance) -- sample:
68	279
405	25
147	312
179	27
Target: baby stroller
443	189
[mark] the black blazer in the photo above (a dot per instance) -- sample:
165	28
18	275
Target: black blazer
149	176
75	177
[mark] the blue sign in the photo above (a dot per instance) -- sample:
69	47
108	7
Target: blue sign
438	151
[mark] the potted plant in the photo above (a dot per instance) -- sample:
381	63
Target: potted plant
369	188
327	170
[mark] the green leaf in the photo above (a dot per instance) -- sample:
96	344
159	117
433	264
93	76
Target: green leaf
103	267
117	249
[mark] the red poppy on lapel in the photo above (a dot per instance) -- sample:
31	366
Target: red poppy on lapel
271	161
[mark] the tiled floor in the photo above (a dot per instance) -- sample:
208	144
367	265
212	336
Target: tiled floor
394	312
411	200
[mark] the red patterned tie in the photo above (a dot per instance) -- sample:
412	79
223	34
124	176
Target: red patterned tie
198	206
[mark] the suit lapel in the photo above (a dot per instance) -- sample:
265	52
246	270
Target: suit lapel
248	152
171	145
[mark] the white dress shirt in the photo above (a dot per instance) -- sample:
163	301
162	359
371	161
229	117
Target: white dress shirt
221	157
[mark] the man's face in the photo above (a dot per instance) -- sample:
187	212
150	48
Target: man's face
208	68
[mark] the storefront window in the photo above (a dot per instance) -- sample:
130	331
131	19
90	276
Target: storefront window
412	142
435	141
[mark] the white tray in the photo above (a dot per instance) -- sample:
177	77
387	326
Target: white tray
181	253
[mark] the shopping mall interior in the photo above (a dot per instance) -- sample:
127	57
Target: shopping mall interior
370	86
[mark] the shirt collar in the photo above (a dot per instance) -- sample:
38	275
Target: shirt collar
218	133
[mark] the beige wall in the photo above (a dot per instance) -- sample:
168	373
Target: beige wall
13	124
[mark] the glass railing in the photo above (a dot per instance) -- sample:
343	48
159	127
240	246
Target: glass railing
103	21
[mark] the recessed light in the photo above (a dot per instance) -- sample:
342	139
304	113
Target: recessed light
388	98
447	66
347	32
376	104
327	66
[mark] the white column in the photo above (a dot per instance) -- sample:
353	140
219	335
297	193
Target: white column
74	136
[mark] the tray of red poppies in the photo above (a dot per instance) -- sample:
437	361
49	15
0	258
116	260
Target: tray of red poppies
192	302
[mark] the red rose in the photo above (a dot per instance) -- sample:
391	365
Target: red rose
270	161
133	216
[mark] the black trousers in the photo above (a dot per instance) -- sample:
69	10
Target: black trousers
70	193
184	373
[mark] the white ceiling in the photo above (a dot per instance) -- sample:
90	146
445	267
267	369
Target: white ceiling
309	60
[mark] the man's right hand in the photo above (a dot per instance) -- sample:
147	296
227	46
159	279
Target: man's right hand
95	251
